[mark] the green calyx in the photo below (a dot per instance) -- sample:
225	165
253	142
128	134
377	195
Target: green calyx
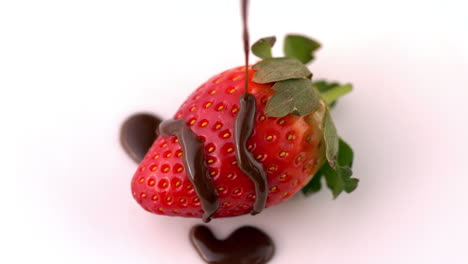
262	48
338	179
300	47
331	91
280	69
297	94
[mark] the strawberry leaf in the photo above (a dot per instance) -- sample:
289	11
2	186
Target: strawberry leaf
315	185
339	179
331	91
262	48
331	95
279	69
345	154
324	86
330	136
294	96
300	47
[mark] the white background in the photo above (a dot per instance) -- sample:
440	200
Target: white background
71	71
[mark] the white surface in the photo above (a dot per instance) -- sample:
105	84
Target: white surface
71	71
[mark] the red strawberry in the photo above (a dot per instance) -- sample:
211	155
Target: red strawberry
289	148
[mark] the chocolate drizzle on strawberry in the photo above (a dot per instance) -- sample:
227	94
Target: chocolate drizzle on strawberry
243	128
194	162
246	245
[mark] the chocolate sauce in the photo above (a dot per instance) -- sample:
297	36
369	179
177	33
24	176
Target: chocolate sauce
243	128
194	162
138	133
246	245
245	38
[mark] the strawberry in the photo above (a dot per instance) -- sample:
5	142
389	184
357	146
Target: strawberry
287	147
290	140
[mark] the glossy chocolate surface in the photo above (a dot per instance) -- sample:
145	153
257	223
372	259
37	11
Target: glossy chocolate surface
138	133
194	162
246	245
243	128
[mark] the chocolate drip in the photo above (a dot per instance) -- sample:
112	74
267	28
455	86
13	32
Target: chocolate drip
194	162
246	245
137	134
245	37
243	129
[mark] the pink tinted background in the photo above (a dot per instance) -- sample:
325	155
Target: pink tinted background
71	71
